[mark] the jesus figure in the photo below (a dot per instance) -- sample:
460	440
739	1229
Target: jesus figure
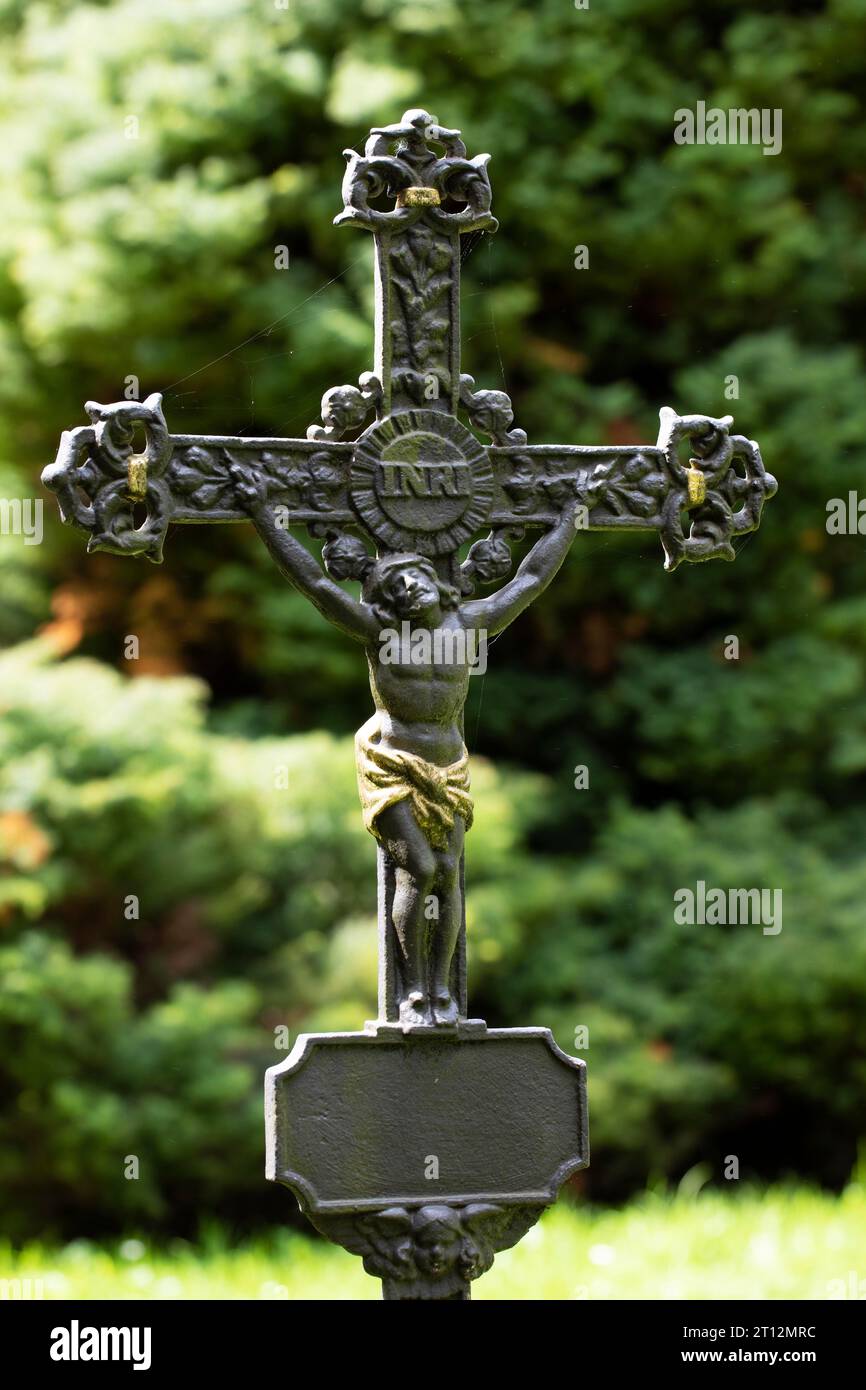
412	762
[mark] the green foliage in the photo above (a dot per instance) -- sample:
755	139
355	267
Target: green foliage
695	1243
153	158
178	906
697	1032
114	1115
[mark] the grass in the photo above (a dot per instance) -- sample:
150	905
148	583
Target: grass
783	1242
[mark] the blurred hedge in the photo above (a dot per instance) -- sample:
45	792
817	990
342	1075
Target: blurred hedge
176	907
154	256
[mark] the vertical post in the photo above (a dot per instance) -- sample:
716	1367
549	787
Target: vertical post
417	349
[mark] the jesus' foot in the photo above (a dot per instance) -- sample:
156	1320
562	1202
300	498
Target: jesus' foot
445	1011
415	1010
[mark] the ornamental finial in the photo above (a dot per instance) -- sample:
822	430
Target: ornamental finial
440	183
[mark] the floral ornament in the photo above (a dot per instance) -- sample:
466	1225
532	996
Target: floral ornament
200	476
422	281
636	487
557	490
521	485
319	482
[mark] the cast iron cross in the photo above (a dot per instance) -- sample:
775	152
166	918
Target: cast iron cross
427	1142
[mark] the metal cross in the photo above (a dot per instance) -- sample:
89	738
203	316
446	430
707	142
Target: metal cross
428	1141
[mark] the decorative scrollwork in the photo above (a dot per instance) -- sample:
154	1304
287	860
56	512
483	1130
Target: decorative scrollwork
726	503
722	488
398	162
99	480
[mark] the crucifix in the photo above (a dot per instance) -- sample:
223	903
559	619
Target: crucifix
426	1142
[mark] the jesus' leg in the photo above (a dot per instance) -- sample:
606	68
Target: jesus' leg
415	869
447	929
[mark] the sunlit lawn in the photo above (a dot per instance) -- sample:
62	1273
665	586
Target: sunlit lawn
779	1243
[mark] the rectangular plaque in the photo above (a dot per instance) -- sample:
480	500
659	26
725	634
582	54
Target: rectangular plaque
353	1120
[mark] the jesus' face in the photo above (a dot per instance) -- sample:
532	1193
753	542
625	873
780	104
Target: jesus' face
411	591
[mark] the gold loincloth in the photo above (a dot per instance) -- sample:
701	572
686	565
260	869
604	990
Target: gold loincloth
436	794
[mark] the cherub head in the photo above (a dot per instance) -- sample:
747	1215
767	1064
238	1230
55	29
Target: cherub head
488	560
492	412
343	408
346	557
438	1240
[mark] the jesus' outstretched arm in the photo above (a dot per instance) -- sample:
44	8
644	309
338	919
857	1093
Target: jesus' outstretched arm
495	612
301	568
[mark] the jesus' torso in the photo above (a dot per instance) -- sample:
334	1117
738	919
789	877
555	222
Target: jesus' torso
419	678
